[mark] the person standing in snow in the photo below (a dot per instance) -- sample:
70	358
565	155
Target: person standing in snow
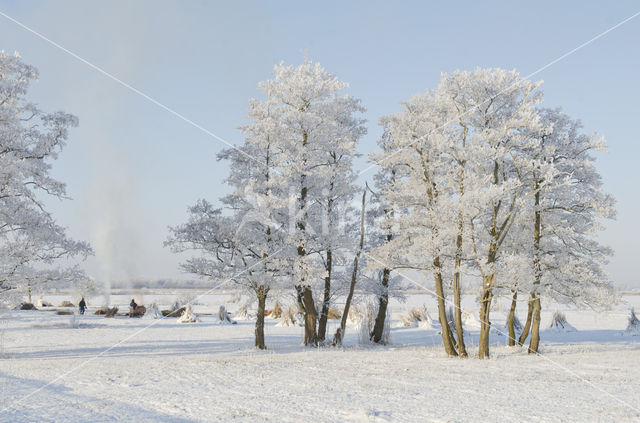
132	307
82	305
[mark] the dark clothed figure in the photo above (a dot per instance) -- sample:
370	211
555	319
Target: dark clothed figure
132	307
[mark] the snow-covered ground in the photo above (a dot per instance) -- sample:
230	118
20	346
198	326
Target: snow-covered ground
92	369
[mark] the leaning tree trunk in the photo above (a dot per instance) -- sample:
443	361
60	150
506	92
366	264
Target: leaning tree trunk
535	326
326	297
485	310
339	336
527	325
383	299
261	294
383	302
447	336
511	318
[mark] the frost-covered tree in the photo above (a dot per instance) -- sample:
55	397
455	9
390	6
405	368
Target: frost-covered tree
500	110
335	239
337	339
317	135
31	242
564	213
293	183
453	149
245	241
415	151
382	220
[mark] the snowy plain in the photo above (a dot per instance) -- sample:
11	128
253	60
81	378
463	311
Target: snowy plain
93	369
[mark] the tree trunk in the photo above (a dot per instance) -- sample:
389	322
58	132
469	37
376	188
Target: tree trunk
485	323
339	336
457	305
456	276
447	336
305	296
510	319
527	324
308	308
261	294
326	296
337	339
537	236
383	301
535	326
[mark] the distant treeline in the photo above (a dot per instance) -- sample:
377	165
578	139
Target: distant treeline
162	284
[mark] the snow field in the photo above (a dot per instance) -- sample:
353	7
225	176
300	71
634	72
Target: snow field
206	371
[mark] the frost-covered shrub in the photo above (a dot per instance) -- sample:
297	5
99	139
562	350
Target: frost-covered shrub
417	316
517	325
366	323
333	314
277	310
289	317
559	323
633	328
355	313
470	320
224	316
188	316
183	300
244	312
364	330
407	320
153	312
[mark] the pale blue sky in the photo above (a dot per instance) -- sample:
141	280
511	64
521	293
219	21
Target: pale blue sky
132	168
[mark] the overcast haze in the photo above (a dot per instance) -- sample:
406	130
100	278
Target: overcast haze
132	168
